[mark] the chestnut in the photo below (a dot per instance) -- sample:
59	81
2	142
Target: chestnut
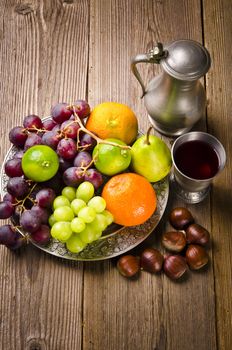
196	256
180	218
151	260
128	265
197	234
174	241
174	266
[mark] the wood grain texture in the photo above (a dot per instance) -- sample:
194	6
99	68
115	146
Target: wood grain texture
217	20
44	59
151	312
57	50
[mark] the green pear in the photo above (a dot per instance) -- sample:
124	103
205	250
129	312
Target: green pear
151	157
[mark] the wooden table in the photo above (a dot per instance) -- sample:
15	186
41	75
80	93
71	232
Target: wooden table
62	50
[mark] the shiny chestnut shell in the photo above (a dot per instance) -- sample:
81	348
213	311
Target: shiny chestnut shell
151	260
196	257
180	218
174	241
197	234
128	265
175	266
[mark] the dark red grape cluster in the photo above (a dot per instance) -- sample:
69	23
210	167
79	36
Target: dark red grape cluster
28	203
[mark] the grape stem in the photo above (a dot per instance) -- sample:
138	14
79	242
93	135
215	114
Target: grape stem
22	208
21	202
98	139
34	129
26	236
85	168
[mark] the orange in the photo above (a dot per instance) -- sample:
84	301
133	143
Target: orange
130	198
113	120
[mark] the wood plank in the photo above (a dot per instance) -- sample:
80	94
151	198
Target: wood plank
44	58
151	312
217	20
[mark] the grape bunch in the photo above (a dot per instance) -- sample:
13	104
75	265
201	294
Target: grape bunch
79	217
29	204
30	213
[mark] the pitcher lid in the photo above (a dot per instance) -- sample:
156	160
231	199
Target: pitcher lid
186	60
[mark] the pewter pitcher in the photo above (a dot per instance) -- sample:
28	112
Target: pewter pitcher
175	99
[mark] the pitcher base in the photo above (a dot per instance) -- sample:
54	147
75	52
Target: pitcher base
168	131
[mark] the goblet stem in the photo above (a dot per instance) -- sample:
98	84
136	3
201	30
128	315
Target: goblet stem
188	196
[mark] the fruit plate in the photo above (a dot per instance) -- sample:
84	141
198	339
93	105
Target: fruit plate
116	239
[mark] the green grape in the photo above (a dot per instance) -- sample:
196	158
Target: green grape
75	244
77	225
109	217
69	192
87	214
98	234
51	220
97	203
88	234
62	231
95	228
60	201
99	223
85	191
63	214
77	205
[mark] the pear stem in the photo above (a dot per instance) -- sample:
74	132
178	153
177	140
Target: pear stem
148	134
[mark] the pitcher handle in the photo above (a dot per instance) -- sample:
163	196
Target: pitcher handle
153	56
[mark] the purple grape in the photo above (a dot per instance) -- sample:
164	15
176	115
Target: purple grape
17	187
45	197
51	139
32	140
87	142
42	213
19	241
67	148
56	128
32	122
60	113
72	117
42	236
9	198
19	154
56	183
82	108
73	176
30	221
82	159
64	164
49	124
95	177
13	167
70	129
7	234
6	209
18	136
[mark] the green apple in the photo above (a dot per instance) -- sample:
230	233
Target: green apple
151	158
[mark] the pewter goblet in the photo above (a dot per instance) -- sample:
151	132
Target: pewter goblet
190	189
